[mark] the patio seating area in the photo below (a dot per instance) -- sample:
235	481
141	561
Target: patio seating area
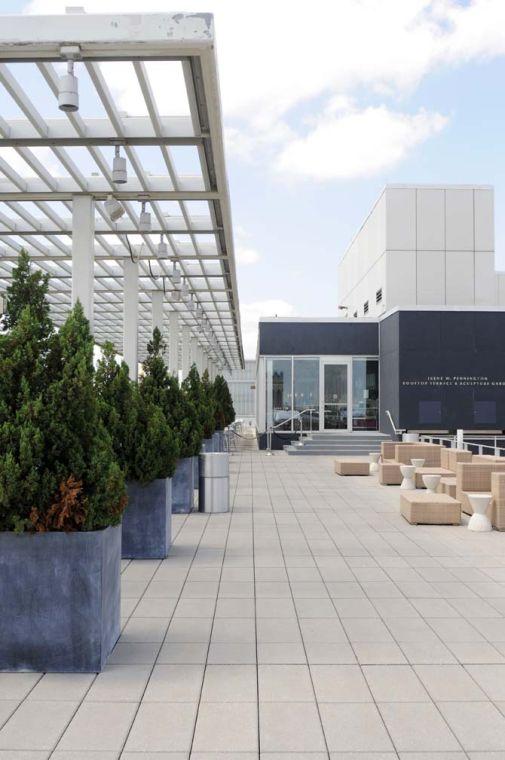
312	621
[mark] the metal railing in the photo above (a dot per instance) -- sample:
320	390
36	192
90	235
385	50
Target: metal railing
498	451
297	416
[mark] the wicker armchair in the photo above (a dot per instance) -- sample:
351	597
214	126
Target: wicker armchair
450	457
427	451
474	476
498	501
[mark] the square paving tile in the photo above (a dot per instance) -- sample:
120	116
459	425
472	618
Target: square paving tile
162	727
354	728
290	727
226	727
418	727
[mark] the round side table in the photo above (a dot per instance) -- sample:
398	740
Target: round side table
408	472
431	482
479	521
374	461
418	462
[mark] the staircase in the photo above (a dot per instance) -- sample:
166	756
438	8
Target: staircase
338	444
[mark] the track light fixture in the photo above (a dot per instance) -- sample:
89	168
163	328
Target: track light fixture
145	219
175	295
113	208
162	250
119	175
68	90
176	275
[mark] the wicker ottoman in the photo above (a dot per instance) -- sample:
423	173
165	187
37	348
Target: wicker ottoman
352	467
420	507
390	474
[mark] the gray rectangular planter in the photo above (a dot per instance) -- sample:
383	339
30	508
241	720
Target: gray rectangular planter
59	600
183	487
147	520
195	472
217	438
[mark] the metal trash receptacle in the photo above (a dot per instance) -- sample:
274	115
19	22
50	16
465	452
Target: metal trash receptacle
214	482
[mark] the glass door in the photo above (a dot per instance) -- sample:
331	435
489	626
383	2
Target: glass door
335	402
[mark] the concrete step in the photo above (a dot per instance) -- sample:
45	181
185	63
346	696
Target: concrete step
303	451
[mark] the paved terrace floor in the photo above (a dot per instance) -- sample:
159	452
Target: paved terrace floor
311	622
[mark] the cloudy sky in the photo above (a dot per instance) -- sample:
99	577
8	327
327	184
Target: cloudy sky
325	102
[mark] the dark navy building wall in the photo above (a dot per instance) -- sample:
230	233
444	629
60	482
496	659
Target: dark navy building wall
318	338
389	372
450	367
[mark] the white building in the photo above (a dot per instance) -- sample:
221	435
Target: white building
423	246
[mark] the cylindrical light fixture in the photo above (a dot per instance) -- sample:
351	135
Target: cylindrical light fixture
184	291
119	175
145	219
113	208
162	249
176	275
68	90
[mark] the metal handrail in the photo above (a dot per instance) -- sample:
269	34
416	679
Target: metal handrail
397	431
296	416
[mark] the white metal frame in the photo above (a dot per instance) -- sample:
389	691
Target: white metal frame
345	361
186	40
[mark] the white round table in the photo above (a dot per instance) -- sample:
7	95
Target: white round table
431	482
479	521
408	472
374	461
418	462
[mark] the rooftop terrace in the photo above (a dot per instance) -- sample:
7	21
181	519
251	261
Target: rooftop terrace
310	622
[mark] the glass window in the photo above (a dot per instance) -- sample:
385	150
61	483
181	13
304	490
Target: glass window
306	392
365	394
279	393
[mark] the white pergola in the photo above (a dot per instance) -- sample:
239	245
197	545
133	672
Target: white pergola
56	174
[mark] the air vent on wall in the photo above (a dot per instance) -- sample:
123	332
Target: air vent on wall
365	308
378	296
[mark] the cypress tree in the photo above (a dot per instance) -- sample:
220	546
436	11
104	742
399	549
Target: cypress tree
197	393
225	412
159	389
78	446
28	288
116	393
210	405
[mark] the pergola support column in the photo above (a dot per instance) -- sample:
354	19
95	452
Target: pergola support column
193	351
173	343
131	316
83	252
185	363
157	310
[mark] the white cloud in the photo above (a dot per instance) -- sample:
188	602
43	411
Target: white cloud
277	60
246	255
356	143
250	314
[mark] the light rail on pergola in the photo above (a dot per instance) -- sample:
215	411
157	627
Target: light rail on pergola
127	210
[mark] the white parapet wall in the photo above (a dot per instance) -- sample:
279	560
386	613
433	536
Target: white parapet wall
426	246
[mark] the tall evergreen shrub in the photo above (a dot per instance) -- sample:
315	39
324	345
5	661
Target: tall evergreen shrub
225	412
57	467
